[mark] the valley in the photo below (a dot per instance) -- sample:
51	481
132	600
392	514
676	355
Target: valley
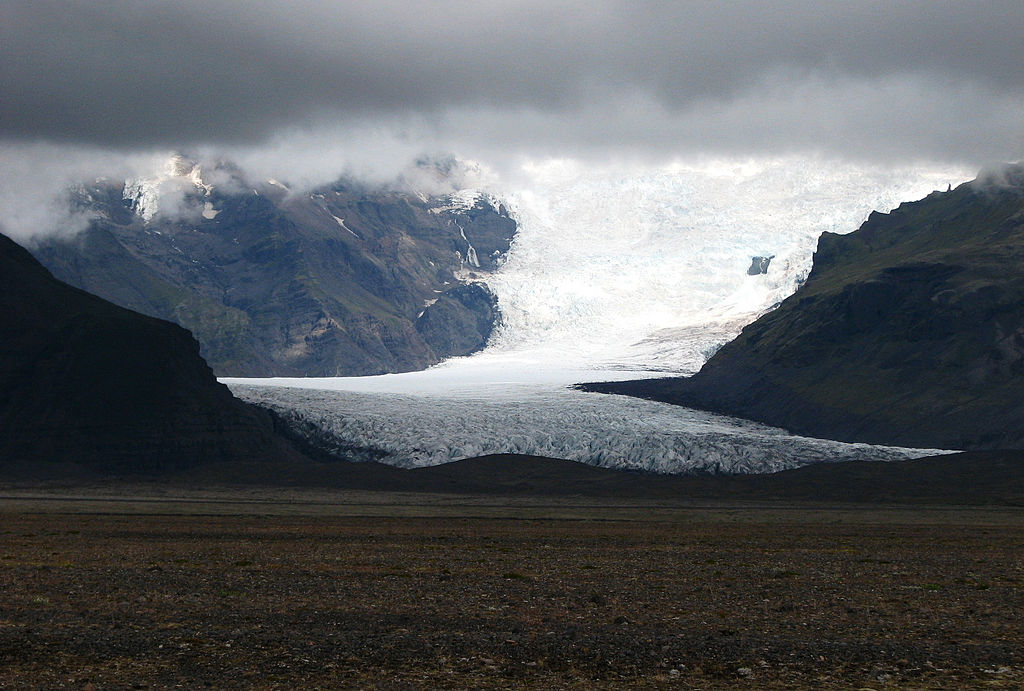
505	345
576	274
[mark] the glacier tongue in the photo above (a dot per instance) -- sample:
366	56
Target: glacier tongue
458	421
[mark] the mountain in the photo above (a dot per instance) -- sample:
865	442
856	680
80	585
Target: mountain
343	280
908	331
86	386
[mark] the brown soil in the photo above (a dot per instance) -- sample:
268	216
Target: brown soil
607	596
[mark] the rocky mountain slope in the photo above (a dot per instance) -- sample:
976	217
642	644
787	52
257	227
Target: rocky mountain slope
343	280
86	386
909	331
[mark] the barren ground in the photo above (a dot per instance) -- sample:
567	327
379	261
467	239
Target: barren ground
247	589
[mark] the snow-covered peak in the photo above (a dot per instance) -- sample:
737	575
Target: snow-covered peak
461	201
177	177
459	178
464	199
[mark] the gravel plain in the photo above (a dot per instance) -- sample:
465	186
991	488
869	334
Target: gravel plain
295	590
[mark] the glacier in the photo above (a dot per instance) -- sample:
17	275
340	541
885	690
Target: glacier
615	272
646	268
461	411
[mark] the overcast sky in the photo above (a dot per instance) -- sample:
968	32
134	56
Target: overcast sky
330	84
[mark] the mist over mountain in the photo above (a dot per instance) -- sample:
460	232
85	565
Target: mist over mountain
634	266
908	331
341	280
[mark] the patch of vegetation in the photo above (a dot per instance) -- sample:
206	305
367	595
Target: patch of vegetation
515	576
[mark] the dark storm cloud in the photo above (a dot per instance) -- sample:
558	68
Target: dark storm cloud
939	78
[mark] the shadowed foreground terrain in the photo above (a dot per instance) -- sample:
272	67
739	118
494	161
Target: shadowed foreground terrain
977	477
89	387
264	588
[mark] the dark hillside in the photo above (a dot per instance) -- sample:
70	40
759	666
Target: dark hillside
970	478
97	387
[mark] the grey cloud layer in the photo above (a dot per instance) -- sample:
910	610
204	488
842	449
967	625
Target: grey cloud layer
860	75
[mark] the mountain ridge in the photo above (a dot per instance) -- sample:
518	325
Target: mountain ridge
343	280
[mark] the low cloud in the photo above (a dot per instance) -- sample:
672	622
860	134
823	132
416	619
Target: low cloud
310	90
126	74
42	179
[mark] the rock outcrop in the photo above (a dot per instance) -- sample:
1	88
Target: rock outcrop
909	331
759	265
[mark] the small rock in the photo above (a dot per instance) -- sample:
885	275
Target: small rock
745	672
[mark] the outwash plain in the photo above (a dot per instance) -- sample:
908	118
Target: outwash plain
171	586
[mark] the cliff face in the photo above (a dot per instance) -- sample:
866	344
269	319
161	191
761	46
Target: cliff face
909	331
88	383
342	281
